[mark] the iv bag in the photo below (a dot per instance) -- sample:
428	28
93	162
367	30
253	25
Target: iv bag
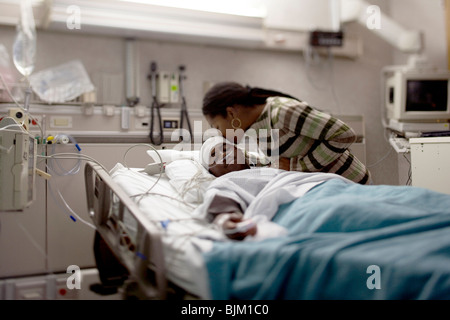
24	48
62	83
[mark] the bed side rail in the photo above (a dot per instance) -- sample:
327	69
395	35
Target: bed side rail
135	241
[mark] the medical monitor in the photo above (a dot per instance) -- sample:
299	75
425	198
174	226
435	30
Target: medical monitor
418	96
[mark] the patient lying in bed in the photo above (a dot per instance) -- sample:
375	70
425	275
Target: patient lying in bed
220	157
243	199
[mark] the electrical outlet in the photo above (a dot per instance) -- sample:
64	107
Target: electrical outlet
141	124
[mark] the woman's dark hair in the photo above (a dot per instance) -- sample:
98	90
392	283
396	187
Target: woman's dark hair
225	94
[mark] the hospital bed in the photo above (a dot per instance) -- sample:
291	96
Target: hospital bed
333	250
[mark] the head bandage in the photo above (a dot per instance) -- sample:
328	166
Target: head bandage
210	144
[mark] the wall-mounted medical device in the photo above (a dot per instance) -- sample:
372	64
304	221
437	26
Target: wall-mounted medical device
174	88
17	166
163	87
20	116
167	87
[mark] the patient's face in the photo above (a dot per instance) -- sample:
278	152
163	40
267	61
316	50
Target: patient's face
227	159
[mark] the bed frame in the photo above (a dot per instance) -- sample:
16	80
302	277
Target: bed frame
139	251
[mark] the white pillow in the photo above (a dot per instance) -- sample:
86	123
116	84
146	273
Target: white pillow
169	155
189	178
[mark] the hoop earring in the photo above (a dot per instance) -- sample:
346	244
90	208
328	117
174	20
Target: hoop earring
236	126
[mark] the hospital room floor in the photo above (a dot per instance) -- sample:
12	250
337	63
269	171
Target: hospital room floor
53	287
90	277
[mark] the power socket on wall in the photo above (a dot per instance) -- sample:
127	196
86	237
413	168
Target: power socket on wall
141	124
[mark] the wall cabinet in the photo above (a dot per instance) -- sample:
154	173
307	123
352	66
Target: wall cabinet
430	159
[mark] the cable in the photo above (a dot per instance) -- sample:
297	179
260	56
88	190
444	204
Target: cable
380	160
383	117
183	110
310	55
72	214
64	172
74	170
66	208
72	156
332	83
7	150
10	94
160	159
77	156
312	58
194	183
35	244
16	125
155	106
140	145
20	106
186	235
382	103
163	223
163	195
408	181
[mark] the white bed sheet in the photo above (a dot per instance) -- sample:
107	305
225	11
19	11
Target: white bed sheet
184	238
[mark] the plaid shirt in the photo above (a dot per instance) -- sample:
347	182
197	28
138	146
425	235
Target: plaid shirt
313	140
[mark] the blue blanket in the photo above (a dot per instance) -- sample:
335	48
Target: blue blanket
345	241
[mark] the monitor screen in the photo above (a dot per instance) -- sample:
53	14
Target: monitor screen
426	95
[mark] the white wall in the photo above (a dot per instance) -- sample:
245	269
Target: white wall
429	17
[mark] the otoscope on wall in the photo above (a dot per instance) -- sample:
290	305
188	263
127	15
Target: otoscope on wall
183	112
155	106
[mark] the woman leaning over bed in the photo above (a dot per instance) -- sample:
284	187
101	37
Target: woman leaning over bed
309	140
